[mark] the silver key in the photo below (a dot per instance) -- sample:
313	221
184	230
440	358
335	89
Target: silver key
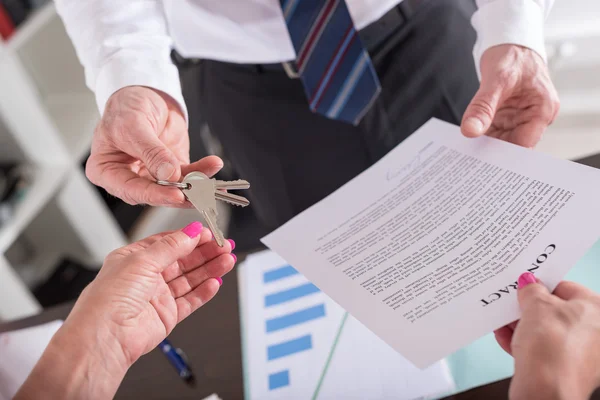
219	188
203	192
232	185
231	198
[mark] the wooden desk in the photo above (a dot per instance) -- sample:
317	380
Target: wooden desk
211	339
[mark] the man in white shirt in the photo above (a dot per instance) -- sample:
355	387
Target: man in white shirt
417	55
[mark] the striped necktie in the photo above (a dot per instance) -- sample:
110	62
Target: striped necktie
336	71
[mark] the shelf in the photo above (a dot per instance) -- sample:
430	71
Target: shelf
32	25
75	116
45	184
16	301
38	269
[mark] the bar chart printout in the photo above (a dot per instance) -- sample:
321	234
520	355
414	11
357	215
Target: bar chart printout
299	344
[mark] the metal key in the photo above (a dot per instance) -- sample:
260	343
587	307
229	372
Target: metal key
200	192
219	187
203	192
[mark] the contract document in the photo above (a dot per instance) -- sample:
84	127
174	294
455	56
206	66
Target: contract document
424	248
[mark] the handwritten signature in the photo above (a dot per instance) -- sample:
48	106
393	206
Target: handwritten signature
405	169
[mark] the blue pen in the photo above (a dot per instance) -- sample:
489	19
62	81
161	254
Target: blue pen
177	359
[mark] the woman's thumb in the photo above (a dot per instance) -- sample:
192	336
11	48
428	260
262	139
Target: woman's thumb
530	290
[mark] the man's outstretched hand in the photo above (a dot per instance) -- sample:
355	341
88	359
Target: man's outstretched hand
516	100
141	138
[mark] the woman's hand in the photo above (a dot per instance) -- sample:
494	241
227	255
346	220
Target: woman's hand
556	344
141	293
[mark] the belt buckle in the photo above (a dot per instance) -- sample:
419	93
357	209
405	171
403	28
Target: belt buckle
290	69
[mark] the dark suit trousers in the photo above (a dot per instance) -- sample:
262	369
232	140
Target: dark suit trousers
294	158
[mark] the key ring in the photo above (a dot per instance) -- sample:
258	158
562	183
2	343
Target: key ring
179	185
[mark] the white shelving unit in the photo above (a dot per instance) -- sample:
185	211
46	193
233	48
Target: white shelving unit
49	117
32	26
76	117
45	184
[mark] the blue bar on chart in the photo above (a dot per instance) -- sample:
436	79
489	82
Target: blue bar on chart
288	348
295	318
290	294
279	379
279	273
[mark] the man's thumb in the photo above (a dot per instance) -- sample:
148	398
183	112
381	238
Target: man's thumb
481	111
158	159
530	290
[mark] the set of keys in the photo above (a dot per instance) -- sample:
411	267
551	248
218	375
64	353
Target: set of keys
204	192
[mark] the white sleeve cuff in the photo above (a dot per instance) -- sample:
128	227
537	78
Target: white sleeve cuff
519	22
124	70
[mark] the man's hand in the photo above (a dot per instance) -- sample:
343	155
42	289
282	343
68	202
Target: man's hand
143	137
516	100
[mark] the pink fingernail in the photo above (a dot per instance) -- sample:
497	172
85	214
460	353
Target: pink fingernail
193	229
234	257
232	243
219	280
526	279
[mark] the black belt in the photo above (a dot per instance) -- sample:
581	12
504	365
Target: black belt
372	37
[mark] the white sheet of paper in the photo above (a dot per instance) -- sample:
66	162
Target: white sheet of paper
425	247
279	306
213	396
19	352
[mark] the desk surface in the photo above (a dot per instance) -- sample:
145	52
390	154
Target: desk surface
211	339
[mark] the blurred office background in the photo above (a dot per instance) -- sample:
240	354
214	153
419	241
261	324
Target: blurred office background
56	227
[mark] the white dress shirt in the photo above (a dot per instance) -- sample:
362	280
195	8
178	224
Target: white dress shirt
127	42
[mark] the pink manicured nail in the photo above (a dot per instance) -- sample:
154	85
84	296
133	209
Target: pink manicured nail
526	279
234	257
193	229
219	280
232	243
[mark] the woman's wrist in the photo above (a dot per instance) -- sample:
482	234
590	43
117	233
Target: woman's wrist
551	384
76	366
